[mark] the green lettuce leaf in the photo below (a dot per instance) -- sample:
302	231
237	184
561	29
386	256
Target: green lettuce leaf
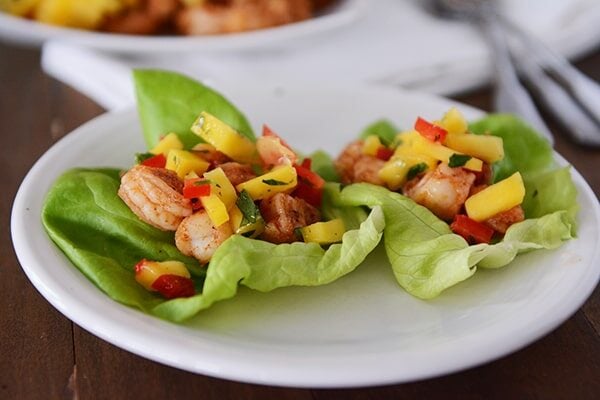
524	149
427	258
102	237
170	102
384	129
322	164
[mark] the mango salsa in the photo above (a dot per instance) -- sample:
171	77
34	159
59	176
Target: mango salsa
371	145
215	208
221	186
224	138
395	172
76	13
183	162
485	147
324	232
443	153
240	226
496	198
279	179
166	144
454	122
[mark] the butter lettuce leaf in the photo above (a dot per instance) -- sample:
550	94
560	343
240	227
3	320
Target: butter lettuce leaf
427	258
170	102
102	237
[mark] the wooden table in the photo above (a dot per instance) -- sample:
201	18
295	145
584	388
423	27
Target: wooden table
43	355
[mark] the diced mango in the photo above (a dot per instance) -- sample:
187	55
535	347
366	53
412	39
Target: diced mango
146	272
242	227
370	145
166	144
279	179
183	162
215	208
76	13
443	153
324	232
18	7
485	147
224	138
394	173
221	186
454	122
496	198
405	142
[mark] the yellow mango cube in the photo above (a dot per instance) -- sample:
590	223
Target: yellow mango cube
370	145
279	179
183	162
215	208
76	13
443	153
221	186
324	232
394	173
166	144
405	141
496	198
18	7
454	122
224	138
485	147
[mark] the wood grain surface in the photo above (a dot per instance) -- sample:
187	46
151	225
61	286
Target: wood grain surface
45	356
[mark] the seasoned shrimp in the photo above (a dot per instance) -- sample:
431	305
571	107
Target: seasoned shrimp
355	166
443	191
237	173
240	15
154	195
282	214
146	19
502	221
197	236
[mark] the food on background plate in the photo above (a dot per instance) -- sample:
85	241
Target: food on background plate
185	17
210	206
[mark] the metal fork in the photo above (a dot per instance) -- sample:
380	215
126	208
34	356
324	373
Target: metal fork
571	97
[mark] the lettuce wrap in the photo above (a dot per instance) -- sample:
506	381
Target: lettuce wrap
425	255
103	238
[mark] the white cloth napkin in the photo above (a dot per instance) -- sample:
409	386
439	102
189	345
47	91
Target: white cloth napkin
395	43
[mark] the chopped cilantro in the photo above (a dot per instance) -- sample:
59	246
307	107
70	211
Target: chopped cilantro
416	170
274	182
458	160
249	210
141	157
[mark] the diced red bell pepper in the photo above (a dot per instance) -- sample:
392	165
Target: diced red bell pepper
471	230
308	193
173	286
309	176
195	187
157	161
430	131
384	153
307	163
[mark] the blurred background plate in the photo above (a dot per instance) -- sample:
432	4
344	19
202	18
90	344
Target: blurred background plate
27	32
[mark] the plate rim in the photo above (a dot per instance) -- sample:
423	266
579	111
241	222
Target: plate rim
111	332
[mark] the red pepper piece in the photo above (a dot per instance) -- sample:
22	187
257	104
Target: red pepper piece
195	187
173	286
308	193
471	230
307	163
309	176
430	131
383	153
157	161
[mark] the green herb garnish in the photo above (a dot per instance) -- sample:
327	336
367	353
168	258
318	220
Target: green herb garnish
274	182
249	210
141	157
416	170
458	160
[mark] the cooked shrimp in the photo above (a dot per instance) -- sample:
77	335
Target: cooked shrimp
355	166
240	15
237	173
154	195
502	221
197	236
282	214
443	191
144	20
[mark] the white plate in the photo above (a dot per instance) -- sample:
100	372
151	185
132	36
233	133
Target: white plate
20	30
360	330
